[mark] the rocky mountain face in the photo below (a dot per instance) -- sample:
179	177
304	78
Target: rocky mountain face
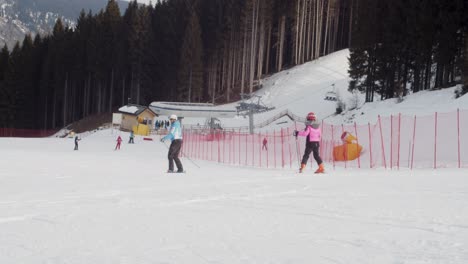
19	17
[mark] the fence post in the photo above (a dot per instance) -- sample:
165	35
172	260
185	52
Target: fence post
357	142
370	146
345	149
321	141
282	148
382	142
289	145
191	143
399	140
261	148
203	138
458	128
231	151
253	150
414	139
239	151
219	148
246	148
274	140
268	151
391	141
333	146
435	141
198	146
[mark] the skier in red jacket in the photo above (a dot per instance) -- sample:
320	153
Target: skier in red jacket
119	140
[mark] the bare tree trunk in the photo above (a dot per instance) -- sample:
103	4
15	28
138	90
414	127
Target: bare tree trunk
261	49
327	28
351	21
253	55
309	32
111	92
244	55
65	101
213	78
88	95
138	87
267	64
296	38
123	91
281	45
317	29
46	112
465	64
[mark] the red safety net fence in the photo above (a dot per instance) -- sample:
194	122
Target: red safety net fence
393	142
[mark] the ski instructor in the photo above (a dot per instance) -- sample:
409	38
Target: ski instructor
175	135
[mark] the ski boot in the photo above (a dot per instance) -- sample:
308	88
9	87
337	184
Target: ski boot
301	169
321	169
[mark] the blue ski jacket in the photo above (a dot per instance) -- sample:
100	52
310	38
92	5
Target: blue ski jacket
175	132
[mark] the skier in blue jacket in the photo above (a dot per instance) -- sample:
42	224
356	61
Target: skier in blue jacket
175	135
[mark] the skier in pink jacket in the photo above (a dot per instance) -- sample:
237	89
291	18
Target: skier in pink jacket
313	134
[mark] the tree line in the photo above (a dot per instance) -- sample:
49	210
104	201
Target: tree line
404	46
174	50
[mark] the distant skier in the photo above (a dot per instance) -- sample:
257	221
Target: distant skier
175	135
313	134
76	142
265	142
130	141
119	140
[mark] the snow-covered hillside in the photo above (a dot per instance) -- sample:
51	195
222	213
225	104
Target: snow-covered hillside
303	89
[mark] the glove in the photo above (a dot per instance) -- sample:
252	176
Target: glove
162	140
295	133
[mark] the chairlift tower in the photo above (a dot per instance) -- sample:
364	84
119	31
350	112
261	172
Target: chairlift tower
249	108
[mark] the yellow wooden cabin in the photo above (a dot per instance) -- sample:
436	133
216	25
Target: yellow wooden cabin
137	118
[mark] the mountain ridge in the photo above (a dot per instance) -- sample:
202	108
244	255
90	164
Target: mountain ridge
20	17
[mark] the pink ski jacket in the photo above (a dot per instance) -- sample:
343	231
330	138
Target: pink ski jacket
313	133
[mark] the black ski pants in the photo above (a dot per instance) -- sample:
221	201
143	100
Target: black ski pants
173	155
312	147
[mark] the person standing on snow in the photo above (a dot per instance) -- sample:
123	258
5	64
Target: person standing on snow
76	142
313	134
119	140
175	135
265	142
130	141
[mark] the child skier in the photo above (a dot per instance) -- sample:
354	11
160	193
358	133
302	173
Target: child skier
130	141
119	140
313	134
265	142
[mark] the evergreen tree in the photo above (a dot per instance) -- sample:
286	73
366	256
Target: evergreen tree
190	79
4	91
